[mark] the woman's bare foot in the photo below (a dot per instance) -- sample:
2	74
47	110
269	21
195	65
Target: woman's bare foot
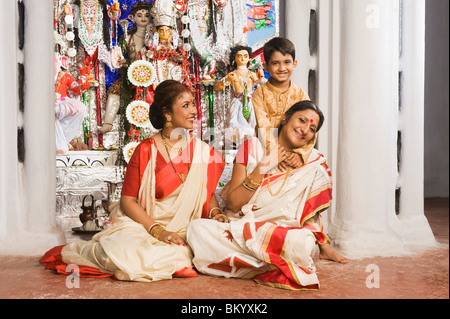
327	253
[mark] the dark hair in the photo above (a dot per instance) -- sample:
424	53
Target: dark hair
300	106
140	5
166	94
233	53
283	45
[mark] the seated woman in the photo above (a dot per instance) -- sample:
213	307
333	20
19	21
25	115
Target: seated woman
275	215
170	180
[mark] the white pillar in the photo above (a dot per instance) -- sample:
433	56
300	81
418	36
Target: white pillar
10	169
365	222
297	14
411	176
29	209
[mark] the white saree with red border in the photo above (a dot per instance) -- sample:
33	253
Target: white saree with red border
273	243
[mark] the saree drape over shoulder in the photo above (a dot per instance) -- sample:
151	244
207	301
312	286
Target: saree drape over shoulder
125	249
274	242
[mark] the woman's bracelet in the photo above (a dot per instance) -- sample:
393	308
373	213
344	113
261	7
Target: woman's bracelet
214	208
155	230
252	183
248	187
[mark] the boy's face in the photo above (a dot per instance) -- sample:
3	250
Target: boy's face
280	66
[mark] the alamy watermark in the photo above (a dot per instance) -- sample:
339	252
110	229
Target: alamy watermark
373	279
73	280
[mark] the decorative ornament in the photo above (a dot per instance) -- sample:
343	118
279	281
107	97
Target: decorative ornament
187	47
175	39
221	3
141	73
181	5
128	150
185	33
72	52
90	25
68	19
114	11
70	36
164	12
245	106
138	113
185	19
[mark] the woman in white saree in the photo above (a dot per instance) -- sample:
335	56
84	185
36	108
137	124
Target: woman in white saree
274	211
170	180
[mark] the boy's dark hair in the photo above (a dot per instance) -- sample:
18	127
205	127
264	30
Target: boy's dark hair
283	45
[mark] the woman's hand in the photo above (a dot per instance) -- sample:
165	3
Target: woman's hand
221	217
171	238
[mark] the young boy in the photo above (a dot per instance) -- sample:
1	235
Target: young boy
273	98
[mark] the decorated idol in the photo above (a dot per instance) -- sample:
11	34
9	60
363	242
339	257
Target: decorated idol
132	47
168	58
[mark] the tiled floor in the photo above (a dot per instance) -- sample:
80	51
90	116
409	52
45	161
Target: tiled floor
424	275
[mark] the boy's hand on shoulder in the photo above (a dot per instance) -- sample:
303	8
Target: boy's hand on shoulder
293	160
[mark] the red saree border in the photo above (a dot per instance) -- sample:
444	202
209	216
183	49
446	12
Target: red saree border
52	260
284	275
317	202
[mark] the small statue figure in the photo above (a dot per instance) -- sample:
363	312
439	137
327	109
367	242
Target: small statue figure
69	112
242	81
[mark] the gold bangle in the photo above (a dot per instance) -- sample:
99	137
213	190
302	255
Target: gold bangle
248	187
156	231
214	208
151	226
252	183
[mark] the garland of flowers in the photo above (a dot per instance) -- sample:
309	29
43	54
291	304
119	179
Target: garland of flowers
178	56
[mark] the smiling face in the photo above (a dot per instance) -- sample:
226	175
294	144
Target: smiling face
184	111
280	66
300	129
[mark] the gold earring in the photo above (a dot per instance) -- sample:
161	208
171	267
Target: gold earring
168	121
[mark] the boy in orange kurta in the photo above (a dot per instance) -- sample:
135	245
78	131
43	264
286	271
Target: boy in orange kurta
273	98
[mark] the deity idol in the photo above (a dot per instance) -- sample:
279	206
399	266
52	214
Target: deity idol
132	47
242	82
169	60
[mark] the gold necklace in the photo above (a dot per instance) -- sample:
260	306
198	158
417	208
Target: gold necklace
282	185
170	146
181	176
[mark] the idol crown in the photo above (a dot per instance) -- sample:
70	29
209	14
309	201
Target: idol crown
164	13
